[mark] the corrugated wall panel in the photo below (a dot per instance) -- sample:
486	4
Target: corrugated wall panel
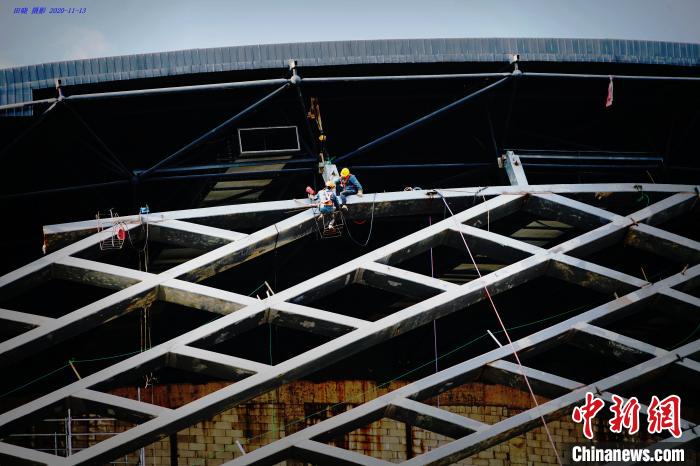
343	52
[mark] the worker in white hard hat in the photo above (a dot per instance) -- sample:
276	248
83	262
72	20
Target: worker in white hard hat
326	198
347	185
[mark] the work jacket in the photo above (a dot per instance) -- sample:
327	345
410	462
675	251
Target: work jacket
350	184
325	197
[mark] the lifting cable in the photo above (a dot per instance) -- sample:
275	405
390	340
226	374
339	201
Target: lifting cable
435	343
371	224
146	342
505	331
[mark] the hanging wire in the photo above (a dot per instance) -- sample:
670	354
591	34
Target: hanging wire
435	344
74	361
371	224
275	391
505	332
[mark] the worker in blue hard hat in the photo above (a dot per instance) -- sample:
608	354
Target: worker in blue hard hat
347	185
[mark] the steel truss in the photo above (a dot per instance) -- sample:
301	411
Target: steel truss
379	268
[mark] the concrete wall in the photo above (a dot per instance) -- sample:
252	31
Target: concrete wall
297	405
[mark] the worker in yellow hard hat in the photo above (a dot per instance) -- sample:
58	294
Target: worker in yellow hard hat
347	185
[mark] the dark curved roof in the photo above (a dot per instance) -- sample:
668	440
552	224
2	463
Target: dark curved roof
16	84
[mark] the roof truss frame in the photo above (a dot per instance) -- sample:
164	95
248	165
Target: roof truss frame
376	268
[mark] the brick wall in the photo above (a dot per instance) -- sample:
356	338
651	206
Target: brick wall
297	405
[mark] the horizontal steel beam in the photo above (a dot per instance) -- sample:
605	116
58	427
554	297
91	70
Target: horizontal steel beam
418	201
226	166
334	79
588	156
607	77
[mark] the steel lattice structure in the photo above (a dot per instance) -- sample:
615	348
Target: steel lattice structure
379	268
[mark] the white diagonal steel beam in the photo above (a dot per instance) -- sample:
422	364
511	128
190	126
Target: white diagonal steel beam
96	273
190	234
313	320
401	281
431	418
24	318
320	453
660	242
199	360
14	452
117	405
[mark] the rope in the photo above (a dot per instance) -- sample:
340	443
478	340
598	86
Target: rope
42	377
371	224
143	250
269	326
35	380
505	331
435	345
255	290
274	259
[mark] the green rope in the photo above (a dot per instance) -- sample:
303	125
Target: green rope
35	380
255	290
71	360
107	357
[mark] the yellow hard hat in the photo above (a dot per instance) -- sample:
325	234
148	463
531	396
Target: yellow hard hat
330	184
344	172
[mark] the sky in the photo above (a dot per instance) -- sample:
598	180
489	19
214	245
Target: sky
120	27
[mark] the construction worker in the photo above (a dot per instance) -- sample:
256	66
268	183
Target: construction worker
326	198
347	185
327	203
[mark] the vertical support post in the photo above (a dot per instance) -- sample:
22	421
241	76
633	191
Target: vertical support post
173	449
330	172
69	439
142	452
514	169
